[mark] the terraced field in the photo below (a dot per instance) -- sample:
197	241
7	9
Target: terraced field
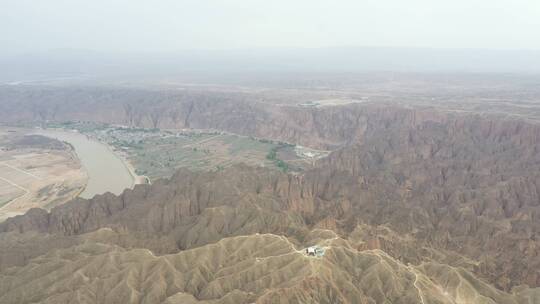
159	156
159	153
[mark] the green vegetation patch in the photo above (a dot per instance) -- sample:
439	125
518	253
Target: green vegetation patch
273	156
155	153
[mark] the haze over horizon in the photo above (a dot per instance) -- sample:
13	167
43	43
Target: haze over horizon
58	38
168	26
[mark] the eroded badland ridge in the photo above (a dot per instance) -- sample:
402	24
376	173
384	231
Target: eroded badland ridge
414	205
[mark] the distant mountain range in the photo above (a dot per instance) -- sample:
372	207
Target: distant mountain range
83	63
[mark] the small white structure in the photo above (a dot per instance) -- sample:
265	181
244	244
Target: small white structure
315	251
309	154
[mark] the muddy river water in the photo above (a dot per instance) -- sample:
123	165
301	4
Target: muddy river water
106	171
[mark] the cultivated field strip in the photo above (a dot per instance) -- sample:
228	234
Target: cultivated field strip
19	178
15	185
21	170
8	192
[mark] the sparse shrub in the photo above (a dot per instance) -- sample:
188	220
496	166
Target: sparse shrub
272	154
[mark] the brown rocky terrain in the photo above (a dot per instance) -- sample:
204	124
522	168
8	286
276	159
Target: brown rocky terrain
200	239
264	113
413	206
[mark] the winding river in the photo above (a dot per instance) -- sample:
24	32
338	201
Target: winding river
106	171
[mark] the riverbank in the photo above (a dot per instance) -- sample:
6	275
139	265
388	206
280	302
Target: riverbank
107	171
137	179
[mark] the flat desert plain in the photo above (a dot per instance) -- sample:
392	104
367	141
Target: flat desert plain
36	172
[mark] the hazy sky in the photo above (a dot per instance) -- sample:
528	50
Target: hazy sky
167	25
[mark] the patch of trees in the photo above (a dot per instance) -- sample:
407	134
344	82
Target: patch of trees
272	156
